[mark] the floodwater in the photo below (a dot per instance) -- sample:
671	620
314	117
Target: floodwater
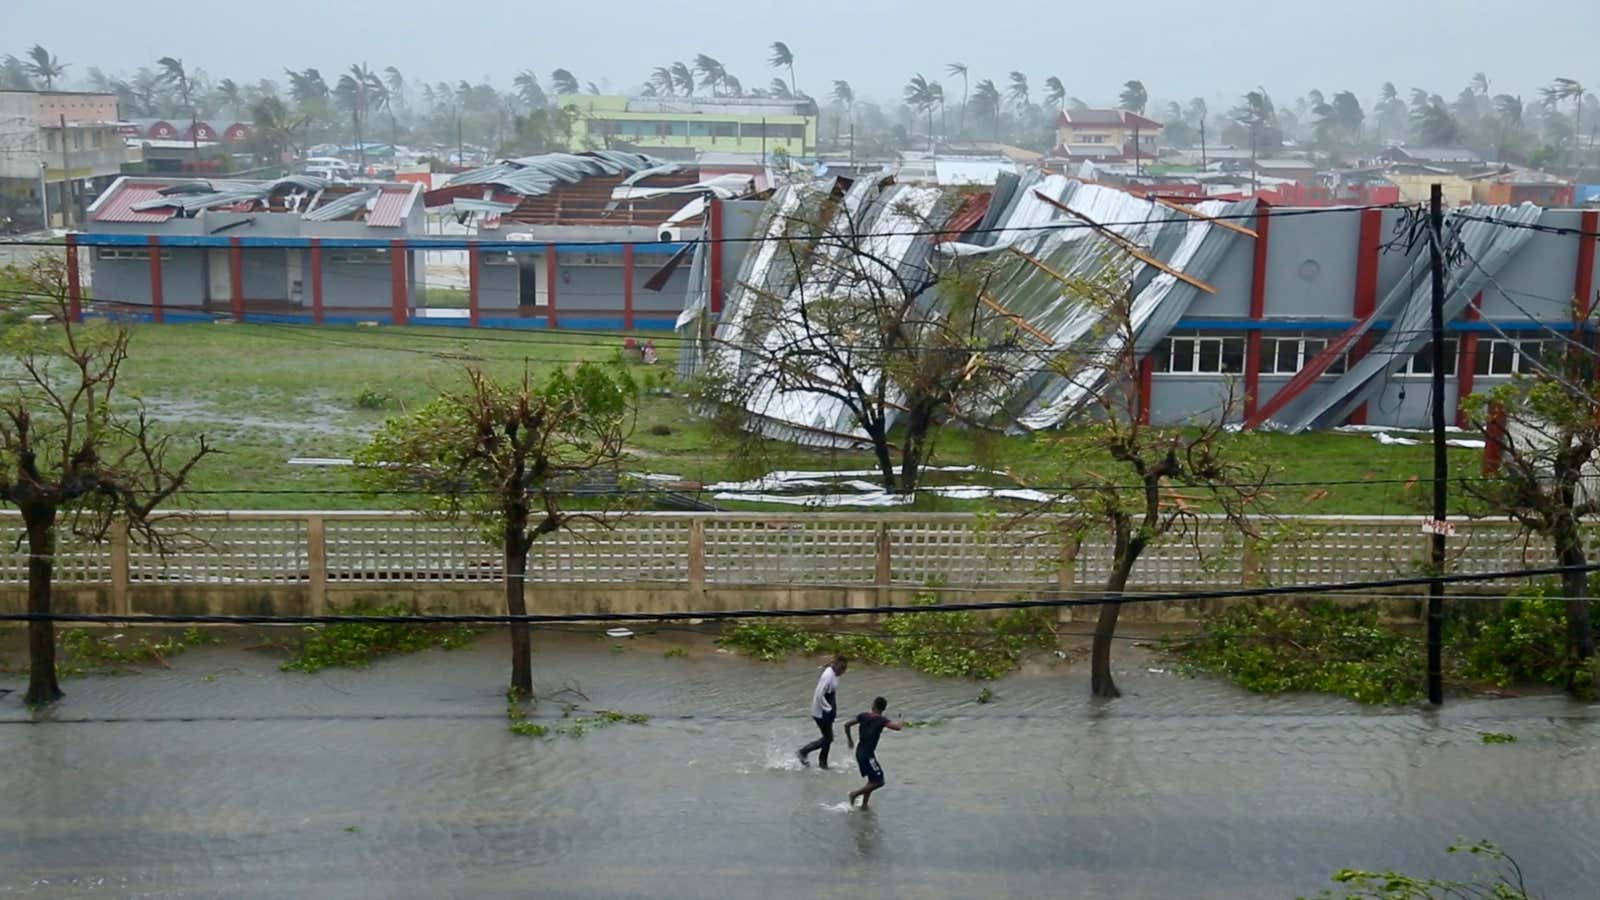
224	777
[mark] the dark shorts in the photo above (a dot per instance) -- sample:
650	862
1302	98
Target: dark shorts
870	770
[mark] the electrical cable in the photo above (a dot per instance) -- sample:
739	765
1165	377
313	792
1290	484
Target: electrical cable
818	612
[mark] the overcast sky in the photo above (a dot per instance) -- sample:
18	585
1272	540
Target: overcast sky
1179	48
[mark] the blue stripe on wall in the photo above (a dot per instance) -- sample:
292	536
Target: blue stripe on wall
415	243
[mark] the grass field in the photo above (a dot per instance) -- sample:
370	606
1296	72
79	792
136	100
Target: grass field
266	393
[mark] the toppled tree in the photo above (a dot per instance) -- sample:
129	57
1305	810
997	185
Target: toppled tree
507	456
1141	484
70	457
889	347
1544	427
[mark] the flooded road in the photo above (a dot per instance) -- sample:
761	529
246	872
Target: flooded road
225	777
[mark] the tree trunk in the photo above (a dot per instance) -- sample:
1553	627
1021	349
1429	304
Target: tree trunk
880	449
917	425
516	560
1101	684
42	685
1575	591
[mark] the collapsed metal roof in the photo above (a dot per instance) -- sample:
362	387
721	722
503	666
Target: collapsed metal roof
1035	244
532	176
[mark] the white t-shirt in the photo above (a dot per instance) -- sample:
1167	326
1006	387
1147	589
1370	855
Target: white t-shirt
822	704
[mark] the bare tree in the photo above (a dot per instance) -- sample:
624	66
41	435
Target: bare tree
506	456
1144	484
73	458
902	349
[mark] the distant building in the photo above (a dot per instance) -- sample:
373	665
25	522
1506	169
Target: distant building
1459	160
193	227
67	138
1522	186
1106	134
731	124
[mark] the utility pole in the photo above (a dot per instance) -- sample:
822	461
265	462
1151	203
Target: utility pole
461	153
1138	165
1202	142
852	143
1440	461
66	178
44	194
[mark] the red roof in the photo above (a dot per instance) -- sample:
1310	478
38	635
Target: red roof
1102	118
389	210
966	217
119	206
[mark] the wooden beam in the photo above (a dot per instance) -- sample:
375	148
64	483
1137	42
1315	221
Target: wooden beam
1040	265
1191	211
1021	322
1127	246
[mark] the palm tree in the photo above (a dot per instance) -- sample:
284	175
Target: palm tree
1018	92
14	75
45	67
987	98
661	79
229	96
937	90
781	58
683	78
1055	93
354	93
529	90
776	88
919	96
397	86
1134	98
1480	84
1431	121
960	68
273	127
1564	89
1509	111
563	82
174	74
731	86
710	70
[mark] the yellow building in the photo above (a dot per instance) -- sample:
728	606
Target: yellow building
730	124
1106	133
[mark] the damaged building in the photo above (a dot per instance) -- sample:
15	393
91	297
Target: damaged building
1313	317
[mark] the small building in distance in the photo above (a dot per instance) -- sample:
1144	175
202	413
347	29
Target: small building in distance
1106	135
1506	185
65	140
730	124
253	246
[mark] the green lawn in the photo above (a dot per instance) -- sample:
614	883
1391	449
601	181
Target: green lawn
266	393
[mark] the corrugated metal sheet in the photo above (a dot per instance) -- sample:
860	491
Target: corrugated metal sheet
342	207
390	209
120	206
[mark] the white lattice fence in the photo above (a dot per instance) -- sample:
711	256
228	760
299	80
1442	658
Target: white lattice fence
959	551
826	550
77	561
213	551
623	551
404	549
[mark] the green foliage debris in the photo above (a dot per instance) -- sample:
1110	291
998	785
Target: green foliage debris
946	644
355	645
1497	737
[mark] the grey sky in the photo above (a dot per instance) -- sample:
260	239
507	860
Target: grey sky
1178	47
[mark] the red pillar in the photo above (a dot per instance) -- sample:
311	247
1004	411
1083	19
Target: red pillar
1258	308
397	282
236	278
474	271
1467	369
550	286
1366	298
1145	368
74	284
1583	279
627	287
714	242
155	279
316	281
1494	432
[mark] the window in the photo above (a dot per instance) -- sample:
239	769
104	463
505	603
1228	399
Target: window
1498	356
130	254
77	139
1422	362
1194	354
1090	139
99	138
358	257
1286	354
50	140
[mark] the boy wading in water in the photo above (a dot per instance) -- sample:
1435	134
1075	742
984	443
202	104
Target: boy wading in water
872	726
824	708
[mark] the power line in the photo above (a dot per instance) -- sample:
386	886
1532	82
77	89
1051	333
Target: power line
823	612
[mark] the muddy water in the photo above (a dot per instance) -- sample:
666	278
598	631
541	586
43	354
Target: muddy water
224	777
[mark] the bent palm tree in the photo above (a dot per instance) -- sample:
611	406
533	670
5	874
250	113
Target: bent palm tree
987	99
45	67
1567	89
710	70
563	82
919	95
661	79
683	78
1055	93
960	68
783	57
1018	92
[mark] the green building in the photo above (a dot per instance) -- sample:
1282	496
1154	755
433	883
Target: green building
731	124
